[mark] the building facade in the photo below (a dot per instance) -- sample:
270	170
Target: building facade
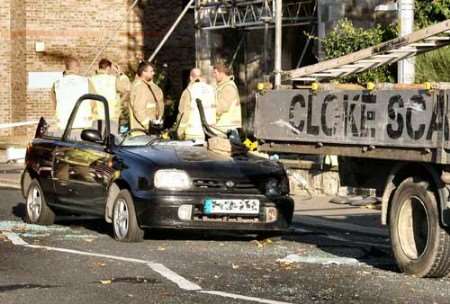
36	35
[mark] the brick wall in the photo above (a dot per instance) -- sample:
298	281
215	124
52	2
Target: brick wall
18	64
80	28
5	63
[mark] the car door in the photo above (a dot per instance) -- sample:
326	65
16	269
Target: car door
82	170
82	176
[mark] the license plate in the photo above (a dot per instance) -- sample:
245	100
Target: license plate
231	206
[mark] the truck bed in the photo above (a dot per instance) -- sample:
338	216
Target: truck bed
403	124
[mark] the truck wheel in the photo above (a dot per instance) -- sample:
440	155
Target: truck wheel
37	211
421	246
125	225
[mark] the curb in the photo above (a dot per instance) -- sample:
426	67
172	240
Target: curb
314	221
9	185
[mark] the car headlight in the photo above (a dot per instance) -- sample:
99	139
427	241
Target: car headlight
272	187
174	180
275	187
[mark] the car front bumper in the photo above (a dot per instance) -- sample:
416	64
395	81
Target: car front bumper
161	211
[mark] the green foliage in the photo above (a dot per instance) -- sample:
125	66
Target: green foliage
428	12
435	65
346	38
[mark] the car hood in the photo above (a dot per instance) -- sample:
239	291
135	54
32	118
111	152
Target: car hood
201	162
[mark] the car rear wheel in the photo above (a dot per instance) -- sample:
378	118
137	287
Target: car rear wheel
125	224
37	210
420	245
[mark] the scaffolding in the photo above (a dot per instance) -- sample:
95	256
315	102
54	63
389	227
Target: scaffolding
217	15
246	15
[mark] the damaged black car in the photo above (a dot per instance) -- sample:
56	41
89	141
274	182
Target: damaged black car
138	181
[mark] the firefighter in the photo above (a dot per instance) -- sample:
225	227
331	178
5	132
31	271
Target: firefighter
114	86
228	105
65	93
190	126
146	98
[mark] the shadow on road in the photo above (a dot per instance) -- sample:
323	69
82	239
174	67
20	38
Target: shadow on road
19	210
368	248
98	225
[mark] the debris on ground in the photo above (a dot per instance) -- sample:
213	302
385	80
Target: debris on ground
294	258
369	200
80	236
375	206
100	264
262	243
258	243
356	201
17	226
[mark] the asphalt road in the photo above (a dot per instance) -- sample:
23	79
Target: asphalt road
77	261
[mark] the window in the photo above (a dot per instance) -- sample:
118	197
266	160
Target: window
90	115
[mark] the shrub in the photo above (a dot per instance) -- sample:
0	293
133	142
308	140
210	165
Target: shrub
346	38
435	65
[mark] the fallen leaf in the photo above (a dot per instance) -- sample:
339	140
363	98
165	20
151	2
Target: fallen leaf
100	264
258	243
161	248
106	282
268	241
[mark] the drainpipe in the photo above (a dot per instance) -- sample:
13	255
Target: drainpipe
406	68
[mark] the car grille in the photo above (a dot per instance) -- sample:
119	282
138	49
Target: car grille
221	185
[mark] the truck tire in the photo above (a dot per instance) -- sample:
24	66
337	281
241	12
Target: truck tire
420	245
125	224
37	211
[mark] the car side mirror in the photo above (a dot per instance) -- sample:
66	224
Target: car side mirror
91	135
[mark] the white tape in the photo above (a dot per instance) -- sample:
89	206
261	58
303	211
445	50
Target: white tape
18	124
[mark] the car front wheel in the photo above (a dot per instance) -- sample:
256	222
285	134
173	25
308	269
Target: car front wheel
125	225
37	210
